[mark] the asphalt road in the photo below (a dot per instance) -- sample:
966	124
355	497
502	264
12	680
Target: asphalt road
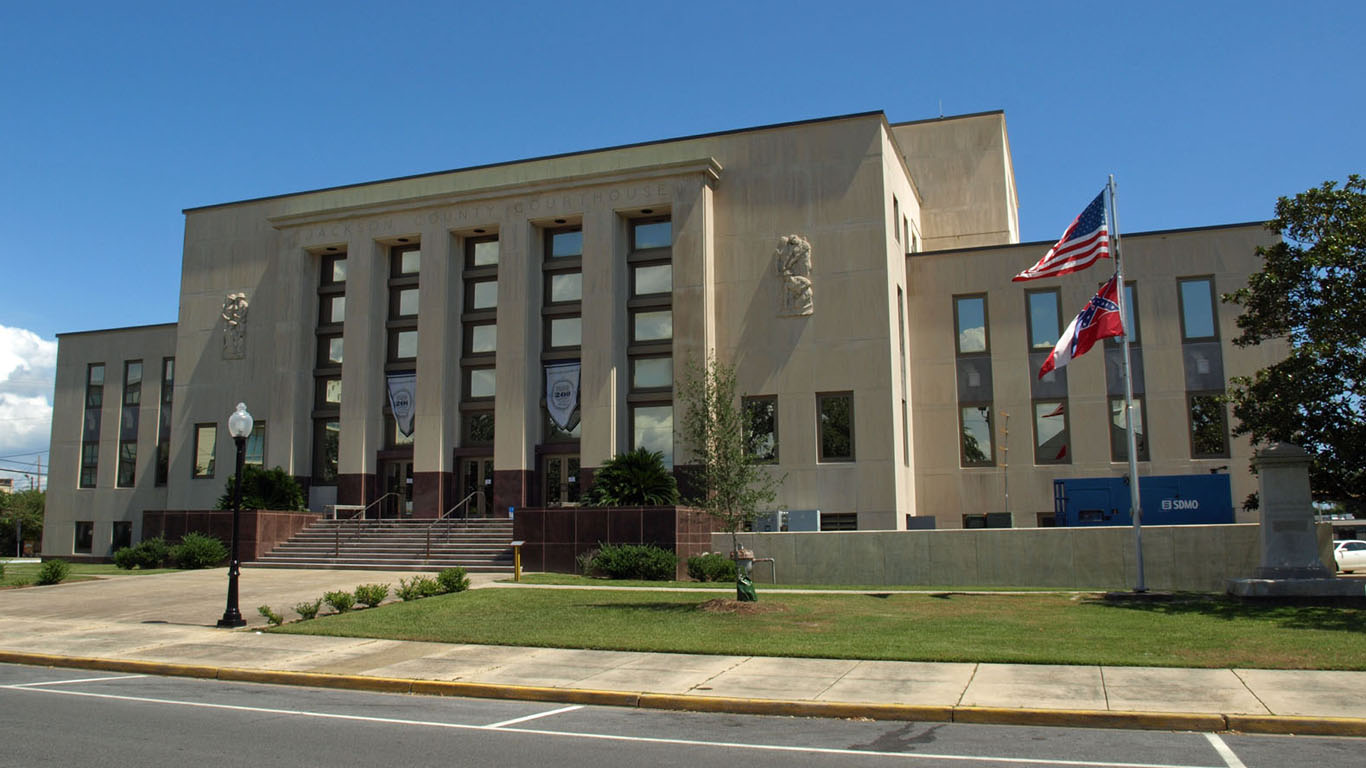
64	717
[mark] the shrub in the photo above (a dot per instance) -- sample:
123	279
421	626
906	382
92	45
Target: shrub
2	570
309	610
151	553
417	587
711	566
341	602
126	558
633	479
196	550
264	489
453	580
54	572
371	595
274	618
635	561
585	561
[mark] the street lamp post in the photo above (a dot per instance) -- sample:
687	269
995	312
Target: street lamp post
239	426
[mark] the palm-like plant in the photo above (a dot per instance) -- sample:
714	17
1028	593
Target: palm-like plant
633	479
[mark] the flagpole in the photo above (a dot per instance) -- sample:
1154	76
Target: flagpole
1135	509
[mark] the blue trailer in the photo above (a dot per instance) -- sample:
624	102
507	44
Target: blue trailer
1166	500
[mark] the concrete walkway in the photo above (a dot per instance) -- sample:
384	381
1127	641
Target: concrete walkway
164	624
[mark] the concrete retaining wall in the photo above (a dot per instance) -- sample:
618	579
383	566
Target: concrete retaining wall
1177	557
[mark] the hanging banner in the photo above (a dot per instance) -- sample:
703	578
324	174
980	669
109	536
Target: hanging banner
561	392
402	398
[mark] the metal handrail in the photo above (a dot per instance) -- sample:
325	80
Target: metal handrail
336	552
443	516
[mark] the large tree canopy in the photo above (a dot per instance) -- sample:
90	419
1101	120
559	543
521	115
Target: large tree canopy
1312	292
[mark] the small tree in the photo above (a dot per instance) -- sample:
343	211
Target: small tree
732	483
265	489
22	511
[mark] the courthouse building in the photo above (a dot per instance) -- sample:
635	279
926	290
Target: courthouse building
500	331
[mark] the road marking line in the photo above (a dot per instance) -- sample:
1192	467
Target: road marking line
605	736
516	720
81	680
1230	759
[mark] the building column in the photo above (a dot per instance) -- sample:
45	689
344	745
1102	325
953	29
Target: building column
363	355
603	352
694	294
518	361
438	357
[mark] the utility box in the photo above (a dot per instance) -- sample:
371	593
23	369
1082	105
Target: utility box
1165	499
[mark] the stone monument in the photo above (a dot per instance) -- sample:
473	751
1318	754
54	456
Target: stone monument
794	269
1292	563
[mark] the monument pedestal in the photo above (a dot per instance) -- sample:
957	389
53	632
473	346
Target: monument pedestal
1291	563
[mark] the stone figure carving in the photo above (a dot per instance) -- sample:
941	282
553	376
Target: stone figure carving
235	326
794	267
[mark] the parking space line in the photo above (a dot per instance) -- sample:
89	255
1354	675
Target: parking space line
909	756
1230	759
536	716
80	680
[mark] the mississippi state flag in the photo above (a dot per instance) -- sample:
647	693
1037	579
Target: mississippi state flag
1098	319
1085	241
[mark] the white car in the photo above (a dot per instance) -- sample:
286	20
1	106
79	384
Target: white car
1350	555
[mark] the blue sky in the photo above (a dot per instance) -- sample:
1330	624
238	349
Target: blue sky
118	116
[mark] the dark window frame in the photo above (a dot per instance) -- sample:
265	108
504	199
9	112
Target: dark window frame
821	457
986	324
1181	282
991	436
1066	430
1029	318
748	424
199	429
1191	397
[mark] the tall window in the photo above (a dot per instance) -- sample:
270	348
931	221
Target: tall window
480	340
1114	382
761	427
405	266
164	420
974	374
327	371
1197	309
255	454
1204	368
84	537
835	426
205	446
650	347
562	320
90	429
128	423
1052	438
1119	439
905	388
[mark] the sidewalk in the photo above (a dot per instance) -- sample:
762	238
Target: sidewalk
163	624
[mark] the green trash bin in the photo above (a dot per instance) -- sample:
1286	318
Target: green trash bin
744	590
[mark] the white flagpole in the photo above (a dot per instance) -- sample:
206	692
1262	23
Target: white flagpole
1135	510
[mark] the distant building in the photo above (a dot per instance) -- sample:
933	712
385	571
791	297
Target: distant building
6	485
501	331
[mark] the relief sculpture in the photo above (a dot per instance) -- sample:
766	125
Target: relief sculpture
794	268
235	326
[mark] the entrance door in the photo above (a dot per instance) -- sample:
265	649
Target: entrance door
398	488
560	481
476	474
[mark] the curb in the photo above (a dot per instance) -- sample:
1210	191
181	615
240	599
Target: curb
1062	718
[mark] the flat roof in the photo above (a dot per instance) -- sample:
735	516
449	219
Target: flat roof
874	113
1123	235
115	330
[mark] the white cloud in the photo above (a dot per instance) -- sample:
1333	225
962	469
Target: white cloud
28	369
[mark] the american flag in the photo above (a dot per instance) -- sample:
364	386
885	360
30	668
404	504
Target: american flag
1085	241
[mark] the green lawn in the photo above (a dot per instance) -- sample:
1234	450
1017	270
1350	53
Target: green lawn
573	580
1198	631
25	574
